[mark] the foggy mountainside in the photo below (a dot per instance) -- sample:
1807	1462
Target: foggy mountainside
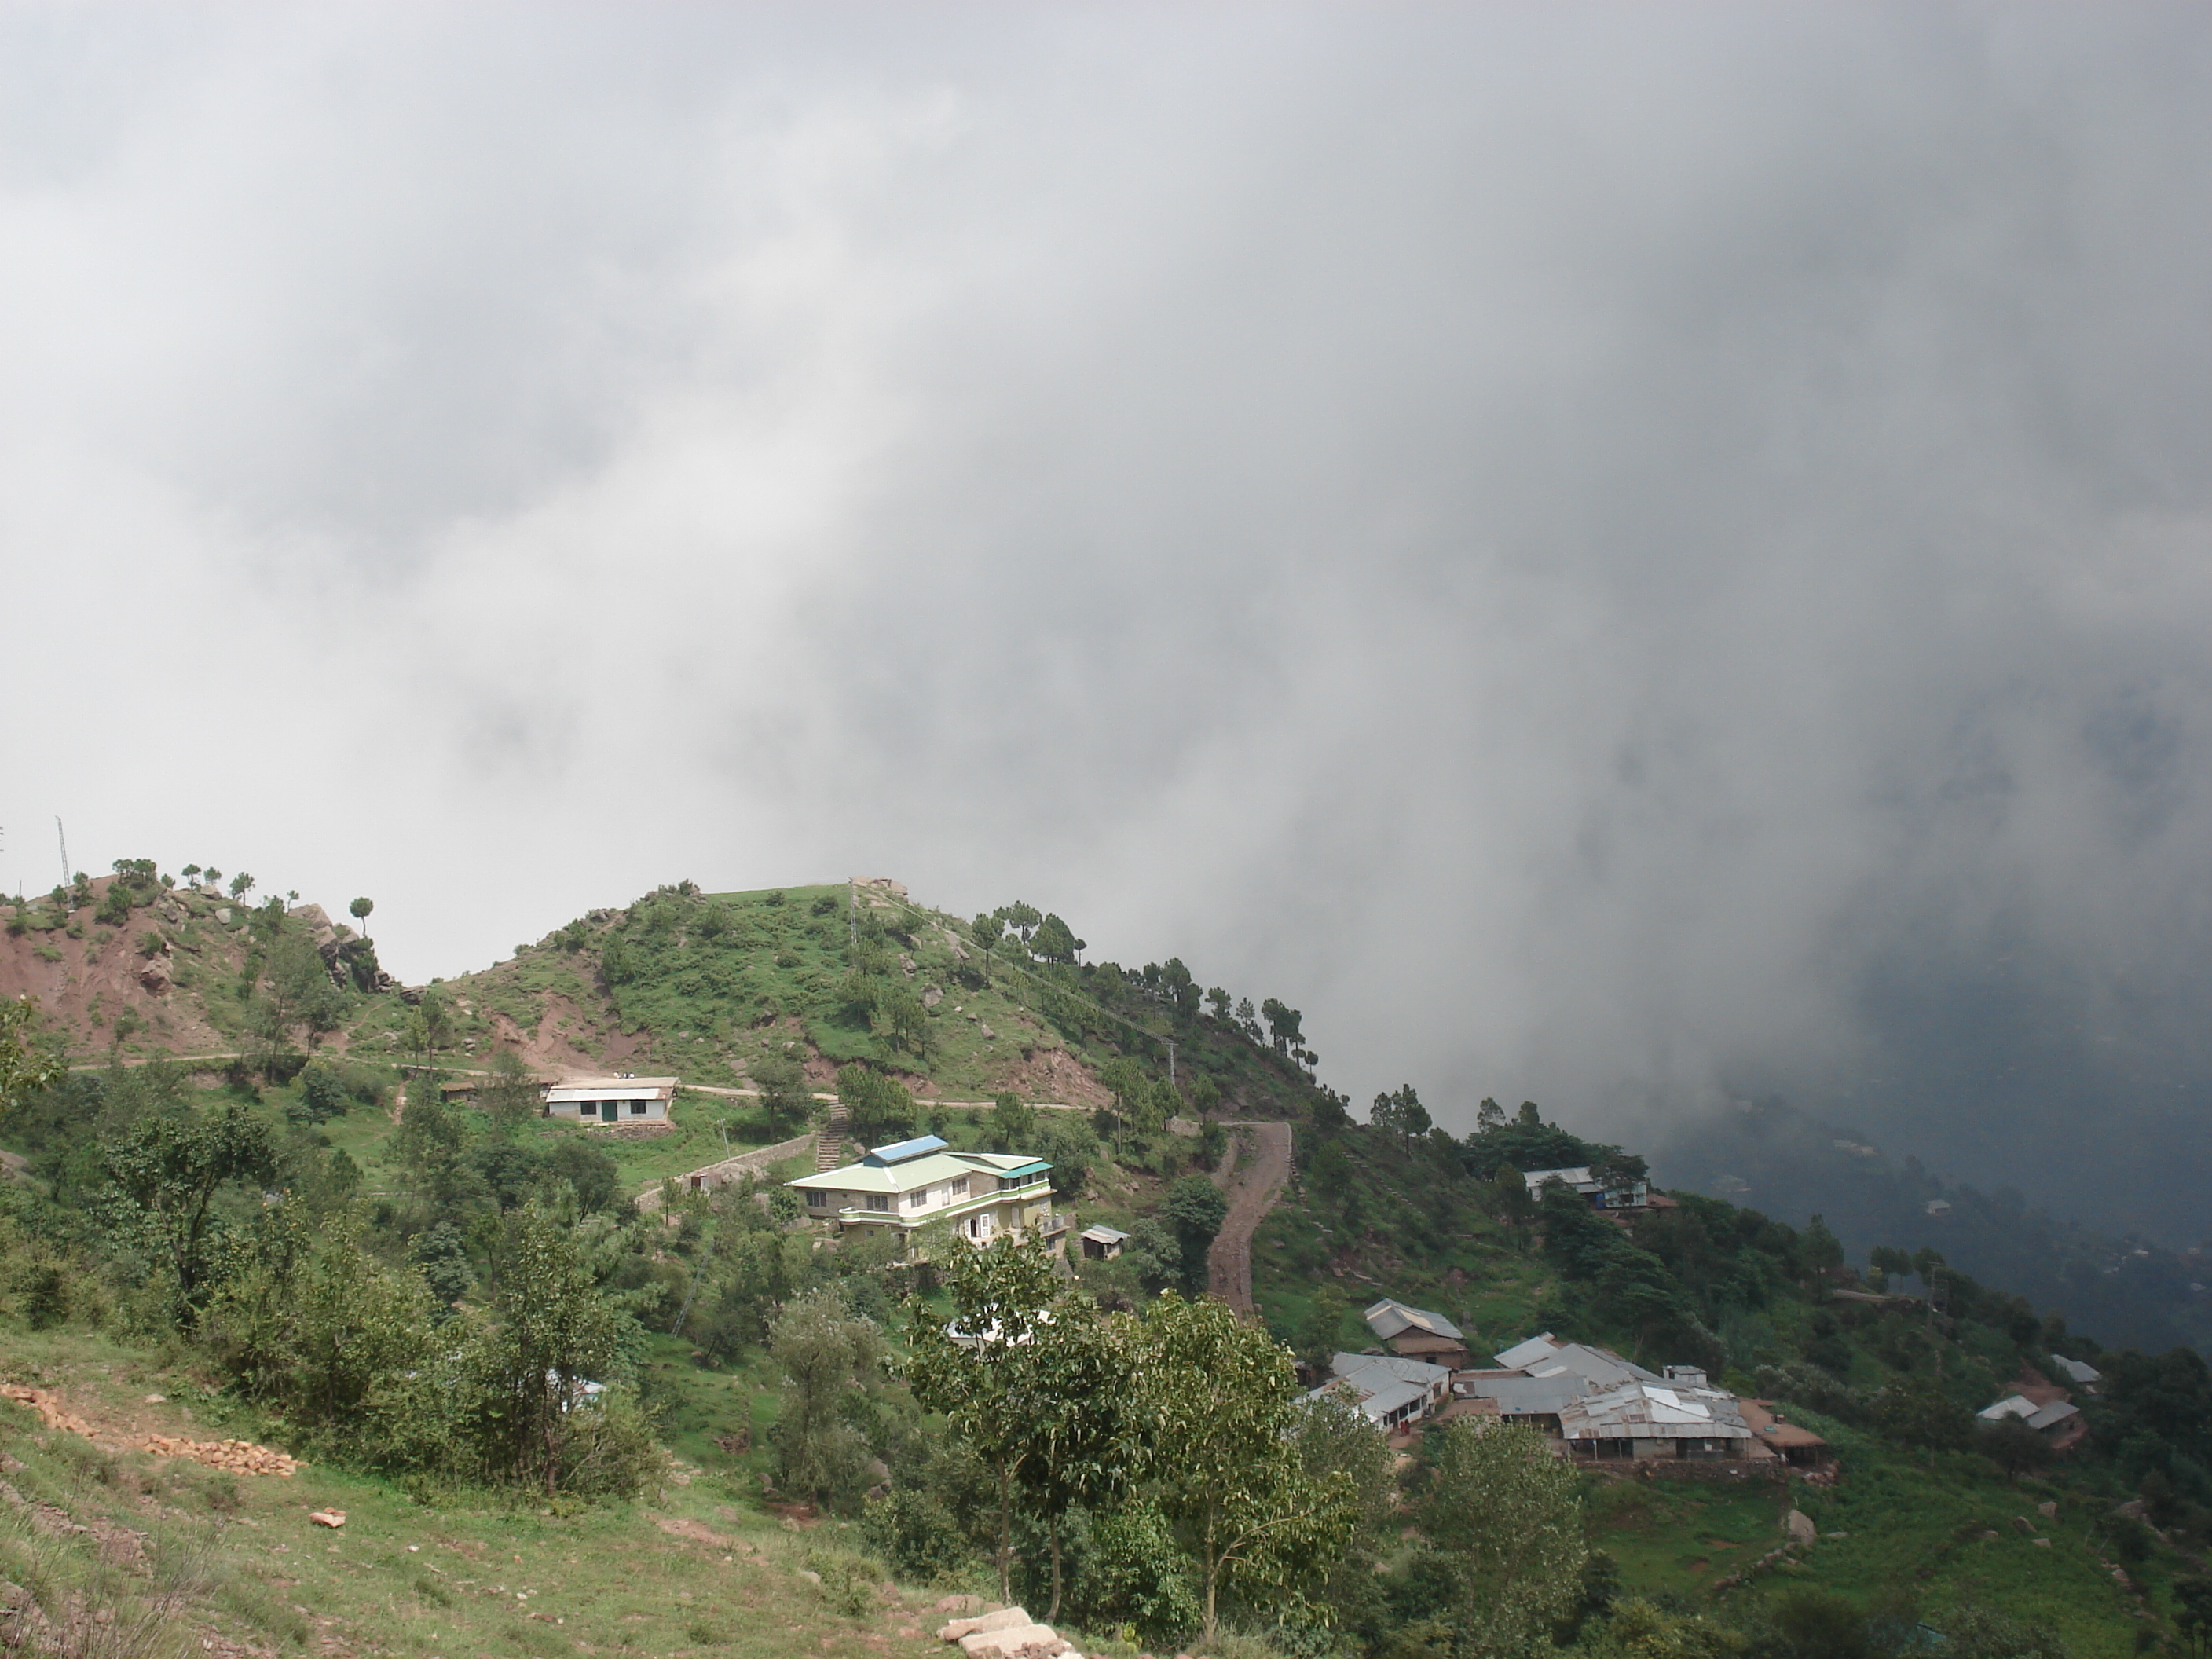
1542	667
1625	567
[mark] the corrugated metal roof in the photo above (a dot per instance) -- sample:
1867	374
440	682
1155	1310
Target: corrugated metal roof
1104	1235
1366	1371
1651	1411
899	1152
1389	1319
2077	1371
1546	1356
1382	1384
1522	1394
926	1171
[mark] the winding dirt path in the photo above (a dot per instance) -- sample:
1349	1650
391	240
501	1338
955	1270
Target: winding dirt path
1253	1187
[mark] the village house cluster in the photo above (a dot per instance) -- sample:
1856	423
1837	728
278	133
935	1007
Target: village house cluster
1594	1406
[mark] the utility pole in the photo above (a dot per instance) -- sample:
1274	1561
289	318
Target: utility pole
64	839
853	911
1171	1075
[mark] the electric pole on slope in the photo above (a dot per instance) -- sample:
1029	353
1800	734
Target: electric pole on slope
64	839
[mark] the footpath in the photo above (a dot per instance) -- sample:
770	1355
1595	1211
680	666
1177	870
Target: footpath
1252	1185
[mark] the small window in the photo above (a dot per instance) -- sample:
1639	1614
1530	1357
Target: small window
879	1200
816	1201
958	1189
918	1199
637	1108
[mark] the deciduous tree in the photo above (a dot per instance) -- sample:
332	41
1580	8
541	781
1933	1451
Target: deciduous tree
171	1166
1505	1513
827	1354
1220	1398
25	1067
985	1365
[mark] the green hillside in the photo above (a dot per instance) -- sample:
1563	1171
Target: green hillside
1924	1500
273	1243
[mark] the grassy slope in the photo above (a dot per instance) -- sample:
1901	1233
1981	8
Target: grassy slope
702	1006
249	1571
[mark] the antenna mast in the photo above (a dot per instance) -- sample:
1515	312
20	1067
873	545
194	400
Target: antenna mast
64	839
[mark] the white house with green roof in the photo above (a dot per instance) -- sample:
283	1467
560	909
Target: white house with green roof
917	1182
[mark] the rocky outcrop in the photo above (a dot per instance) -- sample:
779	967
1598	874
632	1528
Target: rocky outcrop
1006	1633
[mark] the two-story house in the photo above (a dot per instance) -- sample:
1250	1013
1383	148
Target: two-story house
920	1182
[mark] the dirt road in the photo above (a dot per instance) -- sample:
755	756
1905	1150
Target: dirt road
1253	1186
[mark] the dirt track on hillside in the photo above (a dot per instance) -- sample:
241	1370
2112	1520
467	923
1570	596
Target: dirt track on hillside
1253	1186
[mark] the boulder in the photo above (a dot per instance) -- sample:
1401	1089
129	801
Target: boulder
153	974
2022	1523
1000	1618
1799	1525
1016	1641
2048	1511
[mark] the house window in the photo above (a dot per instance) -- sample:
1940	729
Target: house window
879	1200
637	1108
958	1189
817	1200
918	1199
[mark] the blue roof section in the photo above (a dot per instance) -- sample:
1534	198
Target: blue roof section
921	1146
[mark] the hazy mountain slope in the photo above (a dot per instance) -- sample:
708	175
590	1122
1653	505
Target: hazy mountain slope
2127	1290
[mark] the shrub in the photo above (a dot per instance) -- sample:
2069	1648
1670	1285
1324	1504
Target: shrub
1138	1576
915	1534
323	1093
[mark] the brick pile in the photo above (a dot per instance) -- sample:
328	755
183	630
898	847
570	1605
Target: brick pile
49	1408
233	1456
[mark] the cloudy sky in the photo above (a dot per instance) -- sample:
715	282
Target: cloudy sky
1633	555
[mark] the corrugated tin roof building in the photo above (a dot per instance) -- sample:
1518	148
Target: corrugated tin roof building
1390	1391
1417	1334
612	1099
2045	1419
1638	1419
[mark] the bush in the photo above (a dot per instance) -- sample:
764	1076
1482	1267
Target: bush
323	1093
1136	1575
915	1534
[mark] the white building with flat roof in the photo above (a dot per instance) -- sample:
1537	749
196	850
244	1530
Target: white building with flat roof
611	1099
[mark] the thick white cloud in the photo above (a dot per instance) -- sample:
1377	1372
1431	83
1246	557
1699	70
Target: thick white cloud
1622	556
